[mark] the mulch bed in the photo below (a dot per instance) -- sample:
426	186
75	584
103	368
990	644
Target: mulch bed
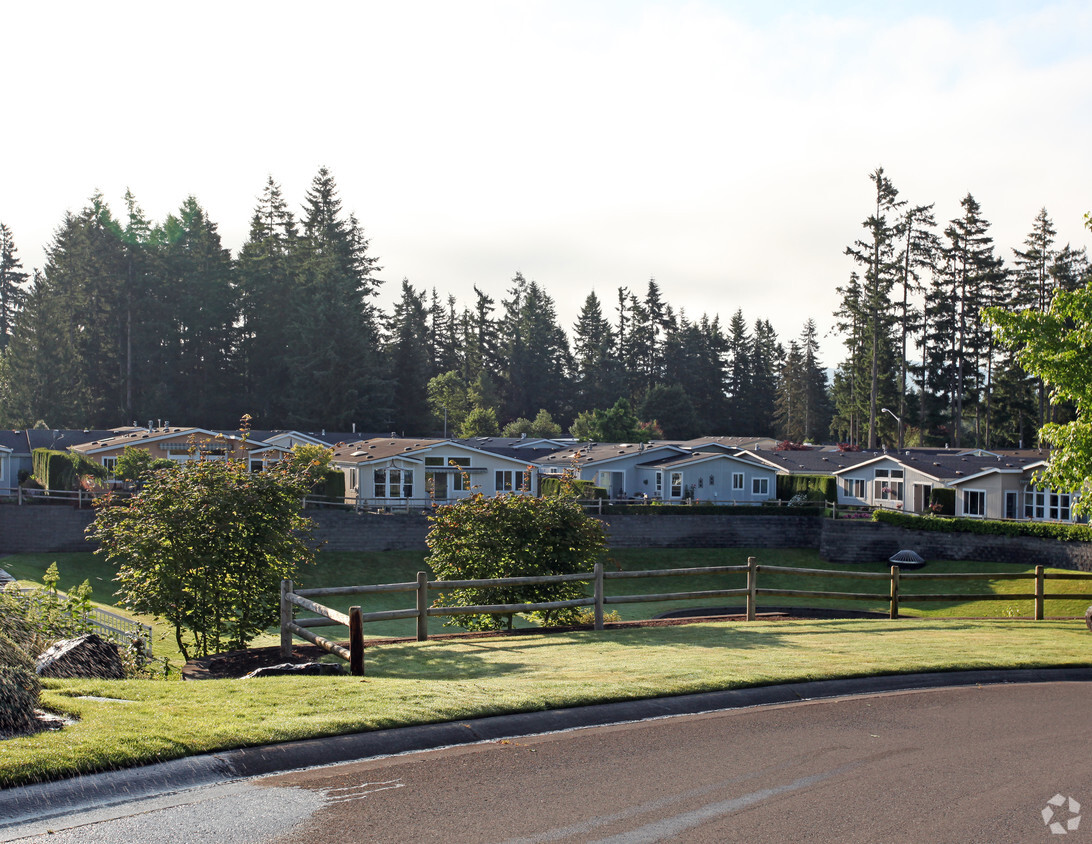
235	664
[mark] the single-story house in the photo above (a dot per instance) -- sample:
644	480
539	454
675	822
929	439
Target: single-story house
381	471
179	444
612	466
708	477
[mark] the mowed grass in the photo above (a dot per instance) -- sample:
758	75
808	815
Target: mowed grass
442	680
343	569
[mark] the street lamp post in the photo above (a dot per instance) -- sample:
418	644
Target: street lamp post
893	416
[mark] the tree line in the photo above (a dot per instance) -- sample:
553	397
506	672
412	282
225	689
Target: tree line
131	320
922	364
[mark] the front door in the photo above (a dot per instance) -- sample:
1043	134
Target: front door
437	485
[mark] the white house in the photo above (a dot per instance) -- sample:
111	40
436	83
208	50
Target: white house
383	471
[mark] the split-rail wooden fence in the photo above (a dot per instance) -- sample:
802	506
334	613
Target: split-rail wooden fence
422	611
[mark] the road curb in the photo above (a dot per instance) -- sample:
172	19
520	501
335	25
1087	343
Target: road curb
46	800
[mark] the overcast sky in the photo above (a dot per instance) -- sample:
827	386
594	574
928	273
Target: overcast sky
721	147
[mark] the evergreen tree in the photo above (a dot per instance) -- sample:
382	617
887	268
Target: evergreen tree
672	409
41	362
958	343
595	369
12	284
876	253
536	352
195	325
766	358
693	359
789	406
408	361
738	375
920	246
333	329
268	281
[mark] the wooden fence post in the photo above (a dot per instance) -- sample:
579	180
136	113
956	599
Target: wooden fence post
286	619
599	595
752	587
894	592
1039	593
356	642
422	606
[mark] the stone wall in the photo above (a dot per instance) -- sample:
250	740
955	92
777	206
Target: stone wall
45	528
705	531
859	542
343	530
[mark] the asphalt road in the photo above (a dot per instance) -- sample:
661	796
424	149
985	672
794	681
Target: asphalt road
955	764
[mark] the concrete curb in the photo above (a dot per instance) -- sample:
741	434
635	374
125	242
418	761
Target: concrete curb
48	800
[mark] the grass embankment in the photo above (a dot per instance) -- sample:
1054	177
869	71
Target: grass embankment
416	683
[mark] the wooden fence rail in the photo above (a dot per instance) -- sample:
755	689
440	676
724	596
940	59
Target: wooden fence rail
422	611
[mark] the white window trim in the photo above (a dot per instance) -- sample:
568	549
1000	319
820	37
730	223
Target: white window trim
968	492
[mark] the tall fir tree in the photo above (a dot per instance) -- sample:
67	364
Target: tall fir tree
333	372
12	284
536	351
268	283
407	351
595	369
876	254
197	331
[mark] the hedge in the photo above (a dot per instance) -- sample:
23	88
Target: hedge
61	470
1040	530
816	487
551	487
945	498
707	510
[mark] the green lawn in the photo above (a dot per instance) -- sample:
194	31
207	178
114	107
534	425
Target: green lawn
342	568
415	683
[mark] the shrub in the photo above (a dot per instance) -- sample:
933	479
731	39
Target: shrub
815	487
205	545
512	536
36	619
942	501
62	470
554	486
19	689
1041	530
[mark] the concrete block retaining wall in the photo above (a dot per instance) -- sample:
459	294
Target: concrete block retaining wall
859	542
59	528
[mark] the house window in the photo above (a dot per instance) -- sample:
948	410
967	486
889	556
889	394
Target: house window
1059	507
509	481
737	481
974	502
854	487
110	464
659	484
887	485
1034	504
1011	505
393	483
760	486
455	464
676	484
